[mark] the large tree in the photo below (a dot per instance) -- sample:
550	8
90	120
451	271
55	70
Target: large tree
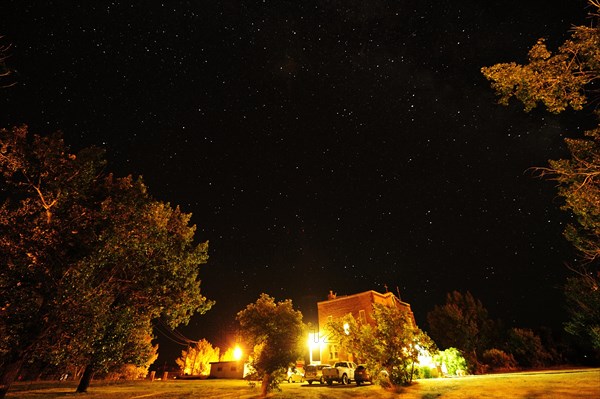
195	360
274	331
394	343
462	323
565	79
87	260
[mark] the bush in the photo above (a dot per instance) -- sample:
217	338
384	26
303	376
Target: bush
454	361
498	360
425	372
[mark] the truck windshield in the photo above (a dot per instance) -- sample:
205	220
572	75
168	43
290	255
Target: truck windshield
340	365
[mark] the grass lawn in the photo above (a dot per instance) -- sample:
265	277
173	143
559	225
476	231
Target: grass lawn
559	384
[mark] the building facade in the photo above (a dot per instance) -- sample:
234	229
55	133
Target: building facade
360	305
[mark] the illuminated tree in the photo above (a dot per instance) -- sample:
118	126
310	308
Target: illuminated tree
231	354
562	80
88	260
397	343
393	344
196	359
352	335
274	331
452	359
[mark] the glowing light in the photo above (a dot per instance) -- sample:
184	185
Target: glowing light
315	342
346	328
237	353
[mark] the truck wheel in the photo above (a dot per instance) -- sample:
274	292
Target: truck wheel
309	382
357	383
329	382
344	379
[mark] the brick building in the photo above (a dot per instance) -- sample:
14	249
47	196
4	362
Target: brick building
360	306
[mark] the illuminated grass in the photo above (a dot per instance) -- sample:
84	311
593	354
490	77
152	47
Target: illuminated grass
563	384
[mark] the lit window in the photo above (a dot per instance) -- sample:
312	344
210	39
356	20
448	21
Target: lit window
362	316
333	351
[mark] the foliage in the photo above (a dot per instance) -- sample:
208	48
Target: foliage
527	348
556	80
499	360
274	331
398	343
463	323
583	297
90	260
452	359
425	372
228	355
130	372
353	336
563	80
393	344
196	359
5	71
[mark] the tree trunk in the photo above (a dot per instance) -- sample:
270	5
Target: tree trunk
8	375
264	388
84	383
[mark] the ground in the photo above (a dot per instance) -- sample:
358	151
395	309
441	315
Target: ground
557	384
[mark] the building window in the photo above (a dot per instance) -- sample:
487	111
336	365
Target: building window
233	368
219	368
362	316
333	352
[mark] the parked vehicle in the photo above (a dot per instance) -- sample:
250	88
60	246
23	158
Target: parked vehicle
362	375
342	372
314	373
294	375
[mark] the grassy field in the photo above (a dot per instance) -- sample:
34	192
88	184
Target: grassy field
561	384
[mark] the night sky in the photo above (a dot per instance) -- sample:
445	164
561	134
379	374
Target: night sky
338	145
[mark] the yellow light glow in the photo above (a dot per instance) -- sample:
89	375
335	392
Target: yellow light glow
346	328
237	353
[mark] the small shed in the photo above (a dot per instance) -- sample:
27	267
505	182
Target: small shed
229	369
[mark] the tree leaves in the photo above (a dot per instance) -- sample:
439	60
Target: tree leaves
88	259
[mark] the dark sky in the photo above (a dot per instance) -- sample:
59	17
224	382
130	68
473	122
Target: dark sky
320	145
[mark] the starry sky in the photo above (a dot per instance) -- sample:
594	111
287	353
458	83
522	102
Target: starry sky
320	145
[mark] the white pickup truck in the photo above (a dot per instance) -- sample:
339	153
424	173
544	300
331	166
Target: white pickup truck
342	372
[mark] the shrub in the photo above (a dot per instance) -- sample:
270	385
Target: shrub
497	359
454	361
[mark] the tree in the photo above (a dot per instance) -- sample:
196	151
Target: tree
231	354
559	81
150	254
452	359
353	336
274	331
88	260
393	344
398	343
196	359
583	299
463	323
5	71
527	348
